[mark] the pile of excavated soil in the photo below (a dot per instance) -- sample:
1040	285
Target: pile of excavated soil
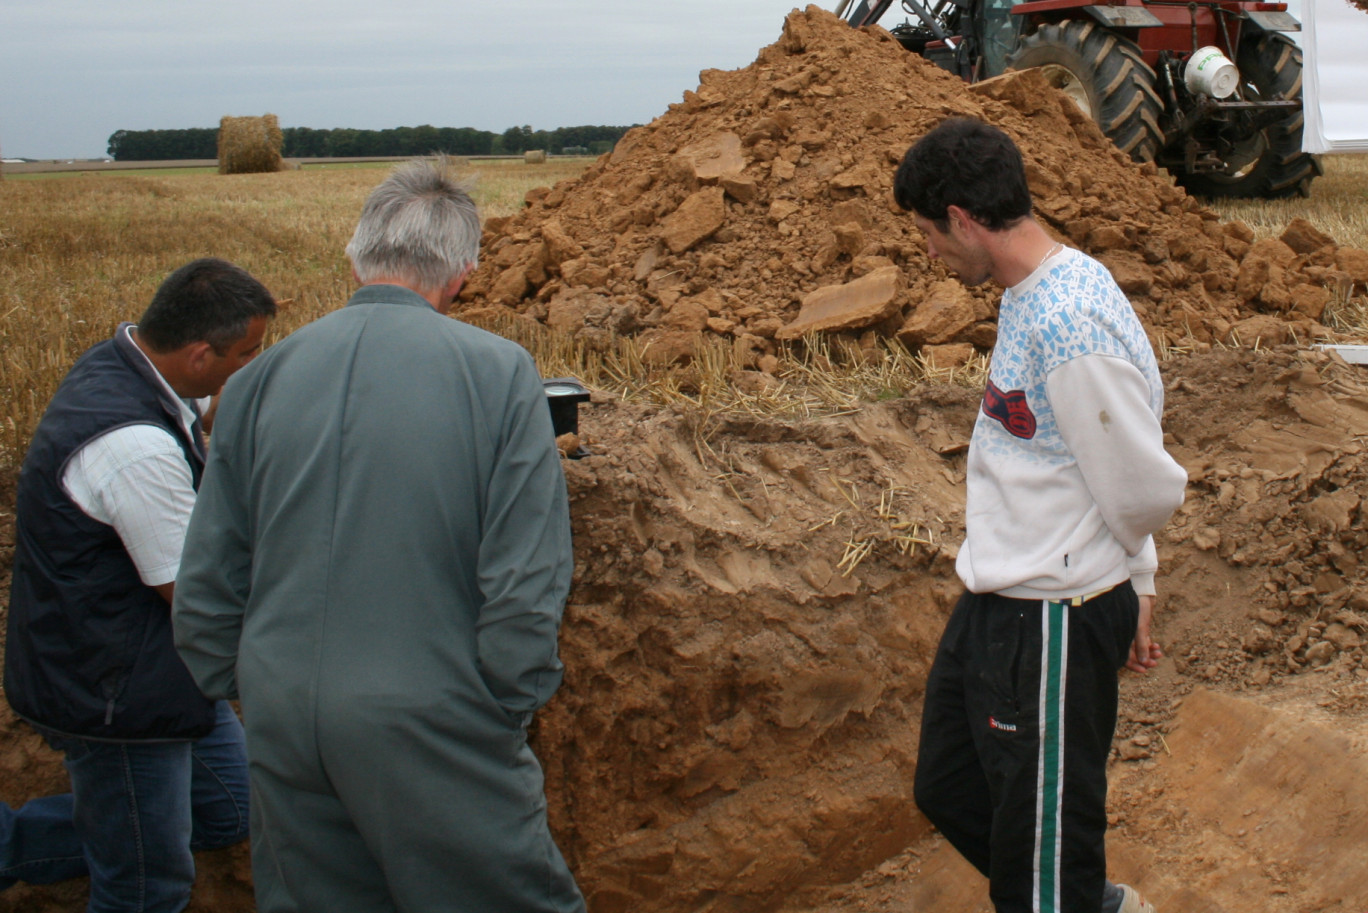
760	208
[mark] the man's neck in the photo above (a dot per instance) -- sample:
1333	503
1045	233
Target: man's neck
1021	251
164	364
433	298
441	299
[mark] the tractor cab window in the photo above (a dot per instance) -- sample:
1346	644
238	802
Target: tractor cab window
999	36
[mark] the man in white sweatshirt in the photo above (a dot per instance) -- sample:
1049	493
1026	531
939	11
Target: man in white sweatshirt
1067	481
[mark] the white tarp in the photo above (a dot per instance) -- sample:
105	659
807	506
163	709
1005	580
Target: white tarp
1334	41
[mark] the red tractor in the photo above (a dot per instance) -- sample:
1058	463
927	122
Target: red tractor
1209	89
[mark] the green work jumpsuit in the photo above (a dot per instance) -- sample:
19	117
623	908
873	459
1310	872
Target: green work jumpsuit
376	567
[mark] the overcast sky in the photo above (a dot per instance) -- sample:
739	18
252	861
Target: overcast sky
74	71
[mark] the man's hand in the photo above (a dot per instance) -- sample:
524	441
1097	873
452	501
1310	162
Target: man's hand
1145	653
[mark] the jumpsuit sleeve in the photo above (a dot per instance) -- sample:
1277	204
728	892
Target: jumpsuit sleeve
525	559
214	578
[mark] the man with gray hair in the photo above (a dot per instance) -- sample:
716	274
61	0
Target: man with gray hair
380	556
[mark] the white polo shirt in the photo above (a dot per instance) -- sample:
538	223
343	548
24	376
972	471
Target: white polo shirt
136	479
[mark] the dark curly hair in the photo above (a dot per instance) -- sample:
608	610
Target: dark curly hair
967	163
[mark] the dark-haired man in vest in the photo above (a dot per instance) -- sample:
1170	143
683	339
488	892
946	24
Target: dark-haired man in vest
105	493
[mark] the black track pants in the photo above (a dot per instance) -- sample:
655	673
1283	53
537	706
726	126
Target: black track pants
1019	717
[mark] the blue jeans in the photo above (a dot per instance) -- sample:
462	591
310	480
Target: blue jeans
141	808
38	843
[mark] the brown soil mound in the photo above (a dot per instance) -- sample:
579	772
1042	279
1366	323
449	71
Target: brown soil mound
748	211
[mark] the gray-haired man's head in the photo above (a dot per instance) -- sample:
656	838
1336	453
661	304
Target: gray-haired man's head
420	228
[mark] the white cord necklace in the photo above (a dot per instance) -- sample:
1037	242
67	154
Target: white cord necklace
1048	254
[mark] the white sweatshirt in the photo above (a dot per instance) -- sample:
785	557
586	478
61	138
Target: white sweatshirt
1068	477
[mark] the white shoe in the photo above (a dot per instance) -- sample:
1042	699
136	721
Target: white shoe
1132	902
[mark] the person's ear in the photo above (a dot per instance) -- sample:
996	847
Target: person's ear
966	227
196	357
460	280
453	288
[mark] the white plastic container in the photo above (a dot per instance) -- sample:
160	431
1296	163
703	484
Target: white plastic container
1210	72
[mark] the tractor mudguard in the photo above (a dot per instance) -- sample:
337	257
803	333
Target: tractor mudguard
1123	17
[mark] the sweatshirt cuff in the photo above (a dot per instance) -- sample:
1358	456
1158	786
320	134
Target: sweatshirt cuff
1143	583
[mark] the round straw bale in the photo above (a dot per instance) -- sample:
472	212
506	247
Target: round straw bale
249	145
534	157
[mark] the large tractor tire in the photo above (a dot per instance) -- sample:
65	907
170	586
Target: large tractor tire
1105	76
1270	163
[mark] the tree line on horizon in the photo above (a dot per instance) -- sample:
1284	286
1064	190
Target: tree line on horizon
341	142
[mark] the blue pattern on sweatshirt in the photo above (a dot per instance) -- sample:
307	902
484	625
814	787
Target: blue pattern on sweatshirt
1075	309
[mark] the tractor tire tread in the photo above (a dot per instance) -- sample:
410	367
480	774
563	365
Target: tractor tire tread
1119	85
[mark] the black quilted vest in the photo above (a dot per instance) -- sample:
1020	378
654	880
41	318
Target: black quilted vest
89	650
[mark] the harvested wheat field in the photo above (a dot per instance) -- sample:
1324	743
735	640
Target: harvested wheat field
766	526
